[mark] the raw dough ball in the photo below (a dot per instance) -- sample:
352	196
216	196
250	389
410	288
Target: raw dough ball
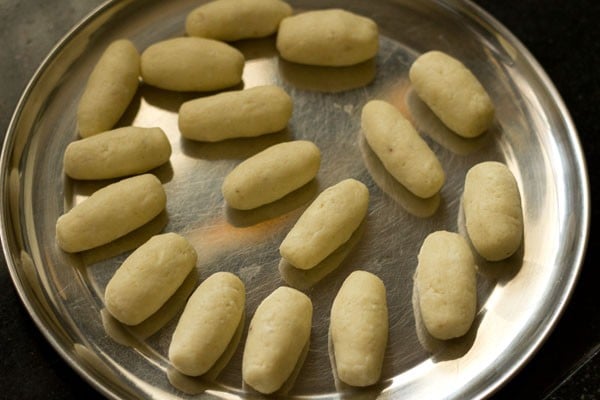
109	89
332	38
453	93
279	331
446	280
359	329
492	207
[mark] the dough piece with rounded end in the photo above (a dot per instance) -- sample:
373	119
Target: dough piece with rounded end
189	64
453	93
148	277
493	213
231	20
446	282
359	329
279	331
271	174
116	153
109	89
402	151
110	213
208	323
326	224
242	113
331	37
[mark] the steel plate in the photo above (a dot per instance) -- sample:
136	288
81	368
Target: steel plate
520	299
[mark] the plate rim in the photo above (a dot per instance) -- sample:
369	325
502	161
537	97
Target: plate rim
470	9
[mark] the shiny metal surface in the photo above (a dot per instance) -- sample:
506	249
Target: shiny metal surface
519	299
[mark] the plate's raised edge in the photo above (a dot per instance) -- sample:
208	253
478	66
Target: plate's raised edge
5	158
477	13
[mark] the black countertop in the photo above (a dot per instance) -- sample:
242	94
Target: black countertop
563	37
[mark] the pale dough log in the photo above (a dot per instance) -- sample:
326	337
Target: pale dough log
242	113
359	329
109	89
331	37
279	331
231	20
116	153
446	280
110	213
271	174
493	213
326	224
208	323
191	64
148	277
402	151
453	93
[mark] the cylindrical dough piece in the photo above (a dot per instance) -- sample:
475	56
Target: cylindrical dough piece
453	93
279	330
109	89
148	277
231	20
208	323
493	213
110	213
331	37
402	151
190	64
271	174
326	224
242	113
119	152
359	329
446	280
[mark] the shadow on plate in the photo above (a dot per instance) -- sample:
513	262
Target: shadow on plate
414	205
288	203
233	149
254	49
327	79
305	279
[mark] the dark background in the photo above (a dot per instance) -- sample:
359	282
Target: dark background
562	35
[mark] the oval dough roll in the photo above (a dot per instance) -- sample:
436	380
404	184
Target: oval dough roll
446	279
231	20
116	153
402	151
453	93
279	331
359	329
148	277
331	37
208	323
242	113
271	174
110	213
109	89
190	64
326	224
493	213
